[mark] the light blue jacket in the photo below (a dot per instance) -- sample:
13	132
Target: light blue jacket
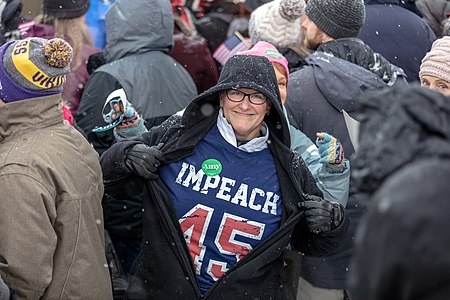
333	182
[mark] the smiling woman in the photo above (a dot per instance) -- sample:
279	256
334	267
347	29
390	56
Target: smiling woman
245	110
228	182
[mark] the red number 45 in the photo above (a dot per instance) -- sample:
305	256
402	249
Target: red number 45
195	225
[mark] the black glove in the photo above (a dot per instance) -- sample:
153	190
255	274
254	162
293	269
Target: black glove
144	160
321	215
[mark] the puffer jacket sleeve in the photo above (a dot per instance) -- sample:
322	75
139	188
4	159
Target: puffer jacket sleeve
26	226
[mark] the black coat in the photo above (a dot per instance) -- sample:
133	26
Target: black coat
400	35
404	164
164	269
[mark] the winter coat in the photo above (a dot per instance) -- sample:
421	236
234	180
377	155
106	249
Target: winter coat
75	80
317	94
122	205
406	4
164	268
51	220
334	184
137	60
295	57
398	34
404	165
193	53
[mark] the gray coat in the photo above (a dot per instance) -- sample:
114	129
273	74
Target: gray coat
136	52
140	35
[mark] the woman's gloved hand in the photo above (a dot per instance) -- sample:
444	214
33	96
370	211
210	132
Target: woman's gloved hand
321	215
144	160
330	150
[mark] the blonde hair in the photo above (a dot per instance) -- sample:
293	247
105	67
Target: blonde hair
76	33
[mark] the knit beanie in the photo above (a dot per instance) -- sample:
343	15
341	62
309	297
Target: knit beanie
437	62
277	22
337	18
33	67
270	52
65	9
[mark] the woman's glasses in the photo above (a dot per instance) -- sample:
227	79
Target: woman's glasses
254	98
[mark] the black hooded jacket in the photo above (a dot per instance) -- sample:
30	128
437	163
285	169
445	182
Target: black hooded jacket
394	29
404	165
164	269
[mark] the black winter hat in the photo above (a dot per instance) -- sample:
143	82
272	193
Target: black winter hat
65	9
337	18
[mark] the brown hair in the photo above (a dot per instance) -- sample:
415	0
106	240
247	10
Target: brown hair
280	68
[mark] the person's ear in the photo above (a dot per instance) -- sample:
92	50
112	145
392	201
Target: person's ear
221	99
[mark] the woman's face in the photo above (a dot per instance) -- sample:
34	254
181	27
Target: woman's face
282	81
436	84
245	118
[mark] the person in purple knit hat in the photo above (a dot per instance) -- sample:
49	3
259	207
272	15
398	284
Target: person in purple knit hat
51	220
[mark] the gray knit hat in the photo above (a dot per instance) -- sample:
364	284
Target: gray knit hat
337	18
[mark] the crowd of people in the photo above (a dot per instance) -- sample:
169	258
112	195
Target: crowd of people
284	149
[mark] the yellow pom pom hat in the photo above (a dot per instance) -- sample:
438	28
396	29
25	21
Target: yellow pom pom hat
33	67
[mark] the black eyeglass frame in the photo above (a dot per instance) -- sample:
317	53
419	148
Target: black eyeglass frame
245	95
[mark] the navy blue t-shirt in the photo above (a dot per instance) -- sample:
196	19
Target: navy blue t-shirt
227	202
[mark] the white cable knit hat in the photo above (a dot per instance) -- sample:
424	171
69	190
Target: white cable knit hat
436	62
278	23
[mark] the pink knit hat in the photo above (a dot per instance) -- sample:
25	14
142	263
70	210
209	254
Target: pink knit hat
270	52
437	62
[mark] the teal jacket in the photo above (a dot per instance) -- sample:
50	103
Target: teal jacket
333	182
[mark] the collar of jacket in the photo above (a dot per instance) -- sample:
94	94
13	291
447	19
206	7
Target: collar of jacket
227	132
30	114
355	51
